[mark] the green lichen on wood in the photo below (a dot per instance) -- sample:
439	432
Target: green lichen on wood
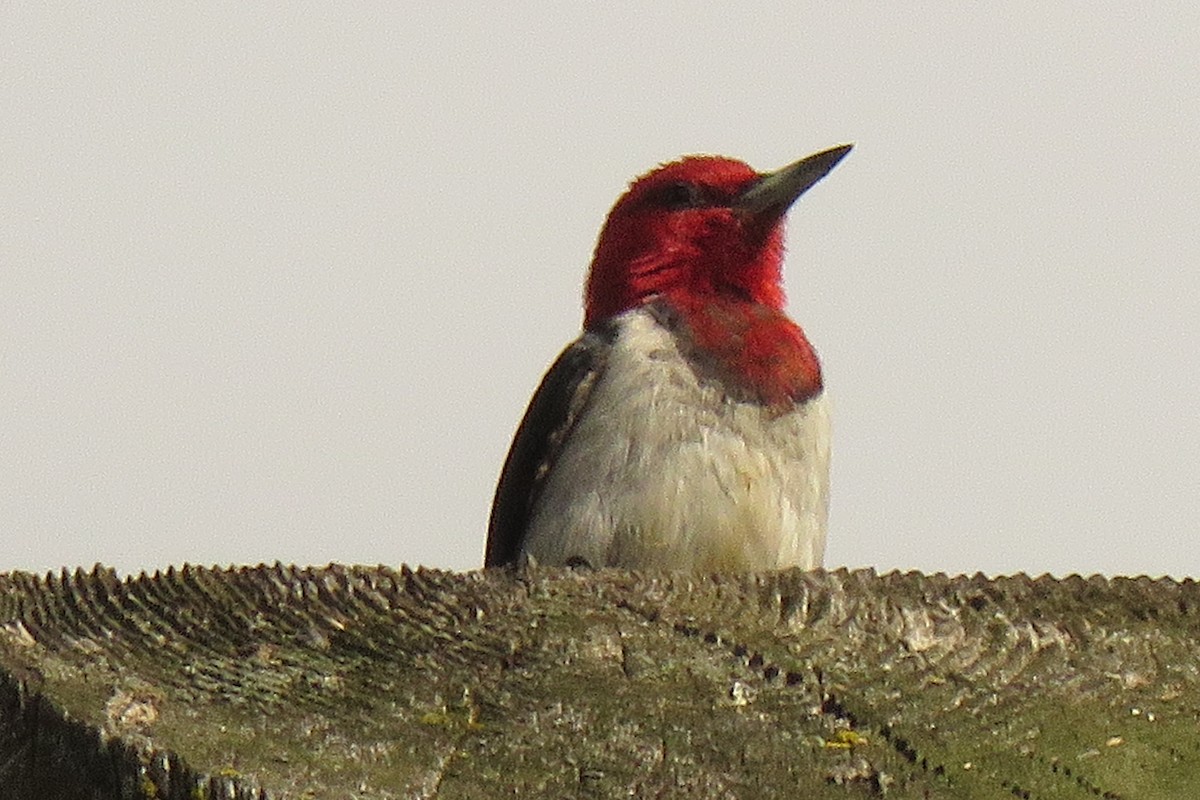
368	682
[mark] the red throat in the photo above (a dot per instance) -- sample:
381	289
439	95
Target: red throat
751	349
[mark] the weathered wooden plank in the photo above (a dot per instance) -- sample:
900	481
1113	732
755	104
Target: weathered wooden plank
368	682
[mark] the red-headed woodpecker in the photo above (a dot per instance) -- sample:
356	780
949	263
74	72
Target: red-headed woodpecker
687	428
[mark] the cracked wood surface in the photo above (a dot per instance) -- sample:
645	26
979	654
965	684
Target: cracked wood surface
339	682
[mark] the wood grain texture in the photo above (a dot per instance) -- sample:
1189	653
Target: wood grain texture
338	682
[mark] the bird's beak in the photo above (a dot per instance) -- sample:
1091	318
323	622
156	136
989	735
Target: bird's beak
771	195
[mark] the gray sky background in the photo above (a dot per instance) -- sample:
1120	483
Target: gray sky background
277	284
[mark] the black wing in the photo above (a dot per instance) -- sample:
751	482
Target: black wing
548	421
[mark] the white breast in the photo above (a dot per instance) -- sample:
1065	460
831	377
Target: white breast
662	471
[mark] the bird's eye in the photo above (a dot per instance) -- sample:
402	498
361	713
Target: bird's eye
680	195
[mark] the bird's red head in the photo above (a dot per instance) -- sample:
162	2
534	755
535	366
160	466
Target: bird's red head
675	231
701	227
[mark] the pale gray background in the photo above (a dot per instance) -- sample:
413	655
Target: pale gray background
277	283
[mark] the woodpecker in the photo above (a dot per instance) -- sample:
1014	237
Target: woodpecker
687	428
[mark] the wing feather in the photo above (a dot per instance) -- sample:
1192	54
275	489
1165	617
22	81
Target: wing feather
548	422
